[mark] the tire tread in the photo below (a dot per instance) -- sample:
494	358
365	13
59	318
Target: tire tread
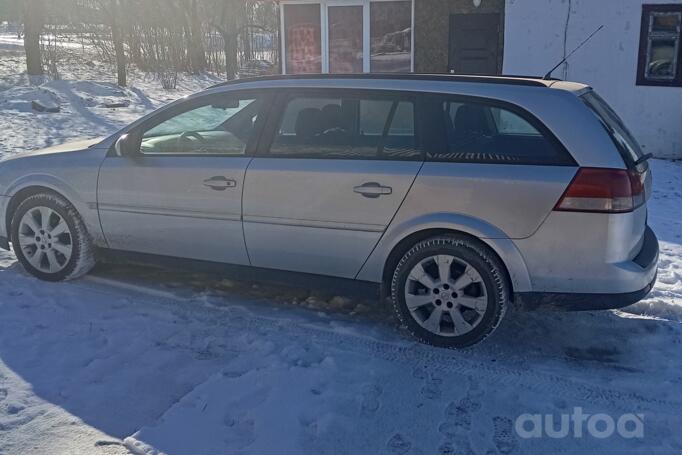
493	265
84	250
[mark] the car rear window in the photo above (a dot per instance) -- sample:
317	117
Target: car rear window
625	142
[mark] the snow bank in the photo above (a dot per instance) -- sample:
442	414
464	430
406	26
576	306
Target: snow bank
91	104
665	218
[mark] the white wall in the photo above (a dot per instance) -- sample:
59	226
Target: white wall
534	43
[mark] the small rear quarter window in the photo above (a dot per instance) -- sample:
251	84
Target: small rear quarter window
484	132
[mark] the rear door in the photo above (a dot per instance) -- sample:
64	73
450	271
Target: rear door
337	167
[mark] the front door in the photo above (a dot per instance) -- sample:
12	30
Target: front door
181	194
474	44
322	194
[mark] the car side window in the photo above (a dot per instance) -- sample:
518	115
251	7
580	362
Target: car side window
219	126
347	127
480	132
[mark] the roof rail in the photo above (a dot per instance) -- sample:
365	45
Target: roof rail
532	81
525	76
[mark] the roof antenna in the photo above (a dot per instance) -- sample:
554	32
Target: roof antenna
548	76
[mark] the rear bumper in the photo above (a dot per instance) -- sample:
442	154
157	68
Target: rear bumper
530	301
642	266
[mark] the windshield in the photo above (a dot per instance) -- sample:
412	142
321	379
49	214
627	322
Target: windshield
625	142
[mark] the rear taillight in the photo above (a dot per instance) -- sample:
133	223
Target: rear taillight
603	190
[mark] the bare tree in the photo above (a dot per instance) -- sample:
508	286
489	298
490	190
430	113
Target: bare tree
196	54
117	37
34	21
159	36
228	26
132	33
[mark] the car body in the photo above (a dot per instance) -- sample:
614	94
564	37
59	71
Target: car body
344	191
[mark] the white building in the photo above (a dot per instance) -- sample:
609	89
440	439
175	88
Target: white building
635	62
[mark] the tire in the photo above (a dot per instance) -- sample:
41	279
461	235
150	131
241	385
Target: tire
450	291
67	255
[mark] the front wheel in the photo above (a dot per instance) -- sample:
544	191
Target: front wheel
50	239
450	291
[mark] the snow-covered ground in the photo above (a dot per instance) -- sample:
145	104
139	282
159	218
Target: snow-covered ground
150	361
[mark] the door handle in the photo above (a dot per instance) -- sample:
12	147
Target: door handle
373	190
220	183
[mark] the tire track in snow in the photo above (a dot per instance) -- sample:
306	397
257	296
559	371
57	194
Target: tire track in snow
411	354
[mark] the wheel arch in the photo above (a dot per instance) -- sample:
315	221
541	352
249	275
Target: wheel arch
408	242
397	241
35	183
20	193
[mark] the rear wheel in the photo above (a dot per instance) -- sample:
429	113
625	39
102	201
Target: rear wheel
450	291
50	239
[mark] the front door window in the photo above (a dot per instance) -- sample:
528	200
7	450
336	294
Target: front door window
221	126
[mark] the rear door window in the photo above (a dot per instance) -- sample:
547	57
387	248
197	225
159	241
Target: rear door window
345	125
625	142
478	131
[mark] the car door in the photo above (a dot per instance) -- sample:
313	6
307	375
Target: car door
181	194
320	194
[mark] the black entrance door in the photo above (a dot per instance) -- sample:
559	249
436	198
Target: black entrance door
474	43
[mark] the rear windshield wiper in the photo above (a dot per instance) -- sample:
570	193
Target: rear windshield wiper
644	158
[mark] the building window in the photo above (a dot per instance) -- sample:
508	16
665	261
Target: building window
347	36
660	53
391	32
345	39
303	38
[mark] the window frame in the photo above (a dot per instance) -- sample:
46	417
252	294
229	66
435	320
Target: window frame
284	33
439	136
284	96
647	36
324	28
174	110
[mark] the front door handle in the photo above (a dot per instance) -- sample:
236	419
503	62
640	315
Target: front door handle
373	190
220	183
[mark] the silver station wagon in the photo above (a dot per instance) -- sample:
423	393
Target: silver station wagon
458	196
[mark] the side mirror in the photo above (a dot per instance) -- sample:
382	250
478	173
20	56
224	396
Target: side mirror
125	146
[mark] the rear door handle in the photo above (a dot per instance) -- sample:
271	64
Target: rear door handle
220	183
373	190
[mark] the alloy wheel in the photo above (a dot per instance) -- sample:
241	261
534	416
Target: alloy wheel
446	295
45	239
